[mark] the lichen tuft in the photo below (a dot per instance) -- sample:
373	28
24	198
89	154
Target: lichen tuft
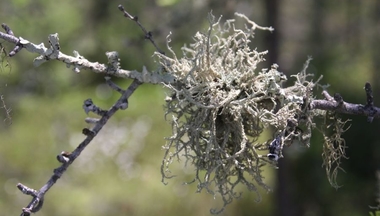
222	102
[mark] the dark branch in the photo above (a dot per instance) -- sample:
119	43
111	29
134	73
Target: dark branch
370	104
337	104
13	39
7	29
148	34
37	202
368	91
68	158
113	85
89	106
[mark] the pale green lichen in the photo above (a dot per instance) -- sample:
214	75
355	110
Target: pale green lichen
221	103
334	146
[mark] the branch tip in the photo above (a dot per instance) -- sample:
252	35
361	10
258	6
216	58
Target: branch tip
91	120
88	132
369	94
148	34
327	95
123	105
89	106
64	157
7	29
26	190
15	50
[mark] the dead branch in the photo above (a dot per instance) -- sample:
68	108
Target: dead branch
272	95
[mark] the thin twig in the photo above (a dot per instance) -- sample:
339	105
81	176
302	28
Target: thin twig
7	110
148	34
370	103
18	46
368	91
58	172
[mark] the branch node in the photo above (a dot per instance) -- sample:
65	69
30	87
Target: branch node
149	35
36	204
26	190
123	105
339	99
89	106
64	157
26	212
18	46
91	120
88	132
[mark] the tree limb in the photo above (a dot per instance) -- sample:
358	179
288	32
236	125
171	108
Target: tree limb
339	106
68	158
78	62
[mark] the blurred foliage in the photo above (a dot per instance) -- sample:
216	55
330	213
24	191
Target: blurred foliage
118	174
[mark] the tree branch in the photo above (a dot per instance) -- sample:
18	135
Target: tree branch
68	158
78	62
339	106
148	34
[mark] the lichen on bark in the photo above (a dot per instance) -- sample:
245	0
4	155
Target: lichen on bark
221	103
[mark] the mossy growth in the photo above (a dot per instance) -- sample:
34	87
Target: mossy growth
221	103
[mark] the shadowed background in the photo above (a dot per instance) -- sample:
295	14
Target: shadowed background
119	173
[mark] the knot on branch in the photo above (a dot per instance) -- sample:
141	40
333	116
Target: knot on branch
64	157
89	106
339	99
37	202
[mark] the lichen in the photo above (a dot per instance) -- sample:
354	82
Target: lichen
334	146
221	103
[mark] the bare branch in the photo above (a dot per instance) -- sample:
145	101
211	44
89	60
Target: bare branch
226	102
68	158
148	34
337	104
18	46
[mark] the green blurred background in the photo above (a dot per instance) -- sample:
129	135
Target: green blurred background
119	173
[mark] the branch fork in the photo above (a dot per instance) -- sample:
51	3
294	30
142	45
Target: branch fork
335	103
338	105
